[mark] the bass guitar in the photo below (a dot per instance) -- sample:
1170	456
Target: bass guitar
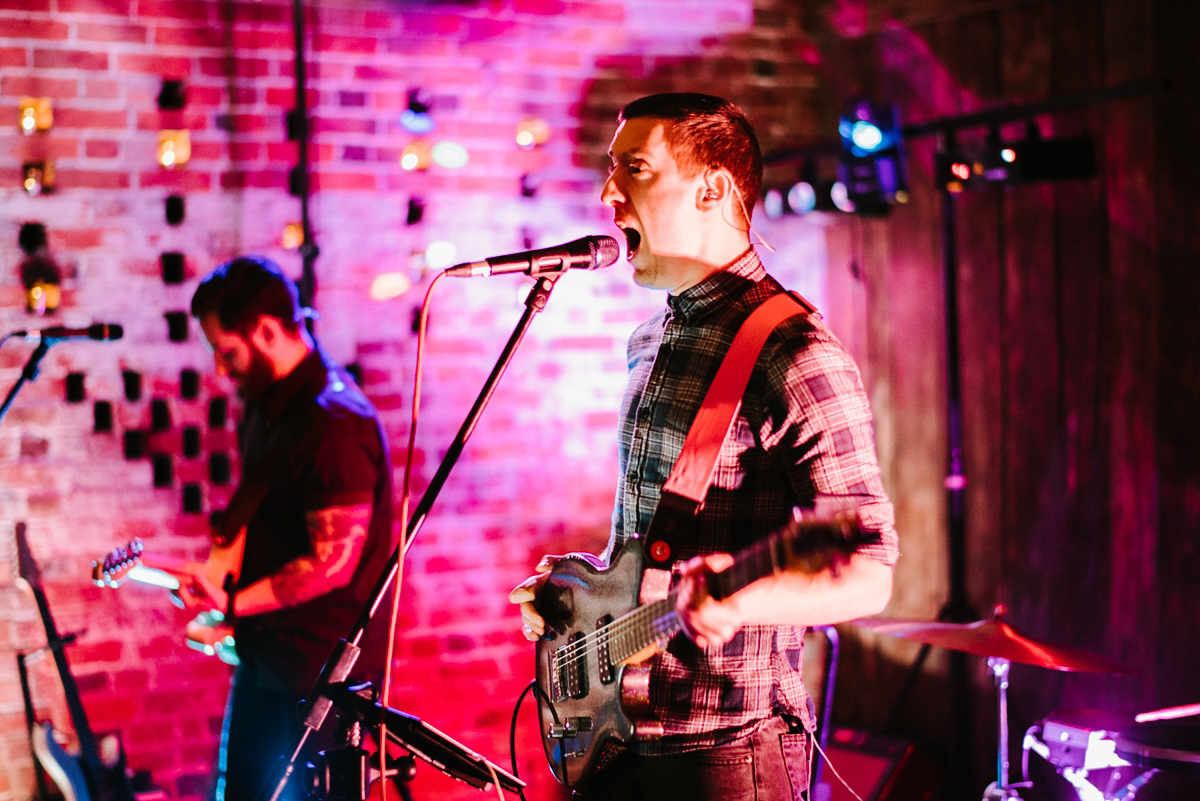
207	632
593	699
86	776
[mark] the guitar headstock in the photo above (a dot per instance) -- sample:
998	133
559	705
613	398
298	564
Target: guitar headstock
812	545
115	566
27	569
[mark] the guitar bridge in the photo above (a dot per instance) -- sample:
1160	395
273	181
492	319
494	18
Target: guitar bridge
568	670
569	728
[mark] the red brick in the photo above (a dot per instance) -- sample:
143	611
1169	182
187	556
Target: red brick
555	58
91	179
344	181
266	13
58	88
239	67
110	651
378	21
88	118
116	32
245	151
545	7
261	39
257	179
189	35
70	59
343	125
101	148
172	120
610	12
174	9
155	65
210	151
486	28
25	5
249	123
287	152
346	44
416	24
13	57
182	179
99	89
436	47
35	29
286	98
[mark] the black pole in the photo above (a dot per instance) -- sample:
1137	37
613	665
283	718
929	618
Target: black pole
28	373
300	183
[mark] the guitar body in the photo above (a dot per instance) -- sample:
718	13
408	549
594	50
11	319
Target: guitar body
587	716
66	769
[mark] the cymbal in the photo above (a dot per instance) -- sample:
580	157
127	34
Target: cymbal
994	638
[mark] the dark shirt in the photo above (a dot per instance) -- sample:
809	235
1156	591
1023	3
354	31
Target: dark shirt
802	435
317	442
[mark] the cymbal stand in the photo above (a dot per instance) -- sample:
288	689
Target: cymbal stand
1000	789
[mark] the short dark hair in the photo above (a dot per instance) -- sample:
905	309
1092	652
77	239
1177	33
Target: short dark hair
242	290
706	132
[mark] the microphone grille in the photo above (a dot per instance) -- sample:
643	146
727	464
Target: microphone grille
115	330
605	251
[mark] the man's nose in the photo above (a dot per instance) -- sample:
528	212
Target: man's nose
610	195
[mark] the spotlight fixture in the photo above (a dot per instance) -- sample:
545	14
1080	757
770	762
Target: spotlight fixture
872	162
531	132
416	155
959	169
386	286
173	95
174	148
37	114
450	155
37	177
440	254
416	118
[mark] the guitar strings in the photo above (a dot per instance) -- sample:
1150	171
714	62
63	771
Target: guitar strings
572	653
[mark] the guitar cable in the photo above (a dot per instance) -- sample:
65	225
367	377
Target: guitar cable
512	728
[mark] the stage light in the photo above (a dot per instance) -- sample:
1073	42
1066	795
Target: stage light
977	166
872	162
532	132
293	236
386	286
174	148
799	198
440	254
840	196
450	155
1008	154
37	177
416	118
416	155
37	114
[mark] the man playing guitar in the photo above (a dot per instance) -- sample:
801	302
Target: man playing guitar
686	170
321	530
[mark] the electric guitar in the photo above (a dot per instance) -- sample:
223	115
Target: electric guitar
593	699
86	776
207	632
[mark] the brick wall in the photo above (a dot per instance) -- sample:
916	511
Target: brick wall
539	472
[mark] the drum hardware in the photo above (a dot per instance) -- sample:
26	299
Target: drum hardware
1002	645
1080	742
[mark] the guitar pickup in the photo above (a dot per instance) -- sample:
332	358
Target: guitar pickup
568	670
604	666
571	727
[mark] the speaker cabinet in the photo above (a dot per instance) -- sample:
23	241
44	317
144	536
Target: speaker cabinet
878	769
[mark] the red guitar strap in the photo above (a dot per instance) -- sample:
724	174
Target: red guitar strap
684	491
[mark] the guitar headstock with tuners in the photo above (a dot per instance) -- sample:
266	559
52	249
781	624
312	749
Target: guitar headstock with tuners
116	564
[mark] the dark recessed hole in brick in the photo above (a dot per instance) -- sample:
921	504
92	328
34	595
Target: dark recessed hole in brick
133	443
218	412
160	415
102	417
133	385
189	384
75	393
193	499
163	471
191	442
219	468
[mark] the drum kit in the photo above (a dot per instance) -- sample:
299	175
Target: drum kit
1130	751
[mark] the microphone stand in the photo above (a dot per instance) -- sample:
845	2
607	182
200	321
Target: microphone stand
29	373
341	662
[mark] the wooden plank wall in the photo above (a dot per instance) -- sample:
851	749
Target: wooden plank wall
1080	344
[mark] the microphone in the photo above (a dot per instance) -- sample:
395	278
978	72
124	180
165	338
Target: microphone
587	253
101	331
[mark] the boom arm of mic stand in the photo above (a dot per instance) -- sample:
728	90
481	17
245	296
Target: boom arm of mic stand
341	662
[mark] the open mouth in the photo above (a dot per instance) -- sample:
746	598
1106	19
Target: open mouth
633	240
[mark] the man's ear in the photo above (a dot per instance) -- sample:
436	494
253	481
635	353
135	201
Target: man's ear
266	332
718	187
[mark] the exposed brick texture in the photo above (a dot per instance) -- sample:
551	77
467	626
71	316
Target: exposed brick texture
539	473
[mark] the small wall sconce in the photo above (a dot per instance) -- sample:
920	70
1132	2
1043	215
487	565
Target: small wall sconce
37	177
531	132
37	114
174	148
40	275
417	155
293	236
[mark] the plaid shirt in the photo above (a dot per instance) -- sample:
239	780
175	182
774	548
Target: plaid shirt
803	431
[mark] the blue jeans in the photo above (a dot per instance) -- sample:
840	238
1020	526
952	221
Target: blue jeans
770	766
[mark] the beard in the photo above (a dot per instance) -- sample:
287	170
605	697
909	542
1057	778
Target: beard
253	381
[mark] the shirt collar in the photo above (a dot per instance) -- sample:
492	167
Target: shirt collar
693	303
308	377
